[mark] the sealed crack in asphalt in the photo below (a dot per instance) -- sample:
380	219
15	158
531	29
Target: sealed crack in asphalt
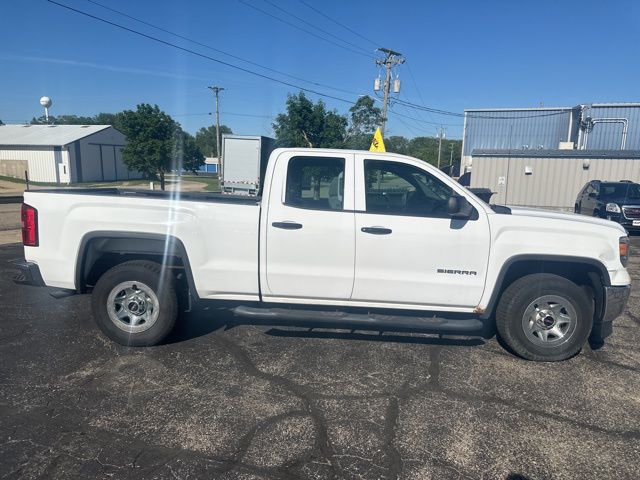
633	317
390	425
322	443
323	448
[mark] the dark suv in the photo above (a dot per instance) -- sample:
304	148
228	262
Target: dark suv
616	201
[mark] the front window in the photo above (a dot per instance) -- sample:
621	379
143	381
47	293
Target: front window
400	189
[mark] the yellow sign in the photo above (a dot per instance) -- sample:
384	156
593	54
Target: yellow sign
377	144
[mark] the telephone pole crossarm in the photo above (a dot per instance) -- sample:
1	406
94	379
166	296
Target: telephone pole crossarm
390	60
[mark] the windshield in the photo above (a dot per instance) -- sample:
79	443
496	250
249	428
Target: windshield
625	191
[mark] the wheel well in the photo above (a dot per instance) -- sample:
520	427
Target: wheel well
100	253
589	276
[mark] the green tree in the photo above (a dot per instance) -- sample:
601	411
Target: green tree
397	144
99	119
426	148
365	117
1	122
187	153
308	124
151	139
62	120
206	139
108	119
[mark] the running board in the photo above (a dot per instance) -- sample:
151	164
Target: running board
365	321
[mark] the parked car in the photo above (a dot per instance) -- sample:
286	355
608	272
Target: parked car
340	238
615	201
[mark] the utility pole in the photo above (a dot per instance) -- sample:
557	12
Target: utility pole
440	137
390	60
451	160
216	91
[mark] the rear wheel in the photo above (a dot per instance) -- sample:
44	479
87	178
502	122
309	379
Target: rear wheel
134	304
544	317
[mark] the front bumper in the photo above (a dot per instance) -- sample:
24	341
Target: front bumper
29	273
615	301
627	223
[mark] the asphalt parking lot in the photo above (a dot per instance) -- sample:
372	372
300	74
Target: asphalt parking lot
229	401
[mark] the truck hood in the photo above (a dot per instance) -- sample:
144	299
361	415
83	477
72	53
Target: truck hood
570	217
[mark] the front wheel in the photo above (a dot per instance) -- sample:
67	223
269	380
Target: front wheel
134	304
544	317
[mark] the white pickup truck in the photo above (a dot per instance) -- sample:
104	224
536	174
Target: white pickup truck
337	238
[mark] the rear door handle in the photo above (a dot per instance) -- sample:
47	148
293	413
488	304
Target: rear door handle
376	230
287	225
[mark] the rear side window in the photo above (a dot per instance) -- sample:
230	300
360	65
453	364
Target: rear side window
316	183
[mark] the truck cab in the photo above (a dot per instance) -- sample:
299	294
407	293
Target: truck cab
369	229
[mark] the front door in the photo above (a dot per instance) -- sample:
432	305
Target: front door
409	252
310	228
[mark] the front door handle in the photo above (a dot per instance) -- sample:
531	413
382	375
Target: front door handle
376	230
287	225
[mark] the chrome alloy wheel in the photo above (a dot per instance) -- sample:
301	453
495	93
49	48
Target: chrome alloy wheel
549	320
133	306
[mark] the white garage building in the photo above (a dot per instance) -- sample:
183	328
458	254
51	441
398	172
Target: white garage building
63	153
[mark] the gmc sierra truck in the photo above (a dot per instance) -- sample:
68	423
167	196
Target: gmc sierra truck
335	238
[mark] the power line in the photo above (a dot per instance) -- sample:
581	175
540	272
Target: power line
462	115
437	124
276	80
415	84
198	54
338	23
316	27
298	27
414	130
196	42
248	115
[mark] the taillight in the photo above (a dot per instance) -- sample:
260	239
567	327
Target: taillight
624	250
29	216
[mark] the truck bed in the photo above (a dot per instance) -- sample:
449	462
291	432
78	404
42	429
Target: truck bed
159	194
219	231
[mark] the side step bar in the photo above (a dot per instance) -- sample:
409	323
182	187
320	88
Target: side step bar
365	321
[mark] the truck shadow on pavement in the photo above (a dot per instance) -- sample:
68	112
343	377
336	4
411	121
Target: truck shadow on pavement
204	321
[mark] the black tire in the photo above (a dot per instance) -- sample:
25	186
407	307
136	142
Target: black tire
576	208
148	275
520	295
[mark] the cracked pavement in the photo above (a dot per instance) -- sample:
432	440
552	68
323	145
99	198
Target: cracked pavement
227	401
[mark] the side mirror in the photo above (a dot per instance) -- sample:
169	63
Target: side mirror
592	195
459	207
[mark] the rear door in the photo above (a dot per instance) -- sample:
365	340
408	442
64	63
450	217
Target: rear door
310	226
409	252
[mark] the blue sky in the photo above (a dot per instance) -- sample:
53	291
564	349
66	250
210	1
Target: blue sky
464	54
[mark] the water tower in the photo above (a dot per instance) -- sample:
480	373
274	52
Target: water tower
46	103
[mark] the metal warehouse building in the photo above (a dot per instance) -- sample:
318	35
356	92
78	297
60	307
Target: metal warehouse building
543	156
63	153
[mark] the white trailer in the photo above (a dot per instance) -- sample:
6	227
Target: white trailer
244	162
